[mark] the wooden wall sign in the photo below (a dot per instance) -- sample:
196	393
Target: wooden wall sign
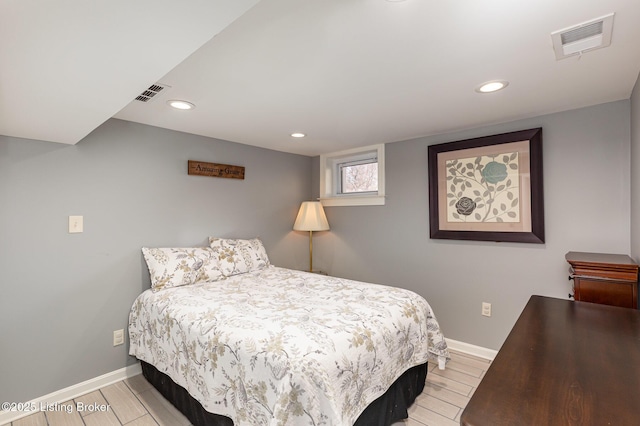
215	170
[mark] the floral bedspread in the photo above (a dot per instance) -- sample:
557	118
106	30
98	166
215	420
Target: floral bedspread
283	347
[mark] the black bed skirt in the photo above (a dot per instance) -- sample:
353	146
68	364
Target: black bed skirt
389	408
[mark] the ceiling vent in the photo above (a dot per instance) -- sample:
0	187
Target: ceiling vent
151	92
584	37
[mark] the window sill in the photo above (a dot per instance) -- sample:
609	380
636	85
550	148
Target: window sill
367	200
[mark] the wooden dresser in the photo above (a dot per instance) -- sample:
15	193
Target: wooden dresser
609	279
564	363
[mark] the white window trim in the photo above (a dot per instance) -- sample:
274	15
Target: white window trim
328	185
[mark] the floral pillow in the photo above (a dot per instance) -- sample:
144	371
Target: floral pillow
239	256
174	267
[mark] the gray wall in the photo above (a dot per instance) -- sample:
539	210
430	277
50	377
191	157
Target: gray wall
587	208
63	295
635	171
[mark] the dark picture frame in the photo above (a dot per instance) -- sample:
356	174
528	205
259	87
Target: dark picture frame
488	188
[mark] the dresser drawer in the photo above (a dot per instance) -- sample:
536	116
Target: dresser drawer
608	279
606	292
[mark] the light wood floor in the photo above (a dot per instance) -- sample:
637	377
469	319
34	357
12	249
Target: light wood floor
133	402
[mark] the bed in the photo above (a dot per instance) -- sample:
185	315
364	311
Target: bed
263	345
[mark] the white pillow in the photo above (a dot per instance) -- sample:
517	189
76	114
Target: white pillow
173	267
239	256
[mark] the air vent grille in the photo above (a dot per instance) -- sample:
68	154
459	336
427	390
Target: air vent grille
584	37
151	92
582	33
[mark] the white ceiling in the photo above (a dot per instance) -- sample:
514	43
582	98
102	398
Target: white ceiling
345	72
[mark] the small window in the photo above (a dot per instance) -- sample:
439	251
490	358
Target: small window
353	178
358	177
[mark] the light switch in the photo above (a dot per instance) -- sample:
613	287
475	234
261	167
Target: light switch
118	337
76	224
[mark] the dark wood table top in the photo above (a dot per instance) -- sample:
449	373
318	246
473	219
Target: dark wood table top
564	363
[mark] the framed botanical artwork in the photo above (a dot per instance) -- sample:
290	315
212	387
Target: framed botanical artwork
488	188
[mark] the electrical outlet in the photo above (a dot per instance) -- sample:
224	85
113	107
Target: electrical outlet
118	337
486	309
76	224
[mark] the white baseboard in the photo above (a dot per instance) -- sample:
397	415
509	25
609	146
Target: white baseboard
72	392
470	349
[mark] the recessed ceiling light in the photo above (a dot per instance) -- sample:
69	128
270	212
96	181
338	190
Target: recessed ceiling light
492	86
177	104
298	135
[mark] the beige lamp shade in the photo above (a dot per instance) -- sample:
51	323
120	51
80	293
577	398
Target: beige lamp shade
311	217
